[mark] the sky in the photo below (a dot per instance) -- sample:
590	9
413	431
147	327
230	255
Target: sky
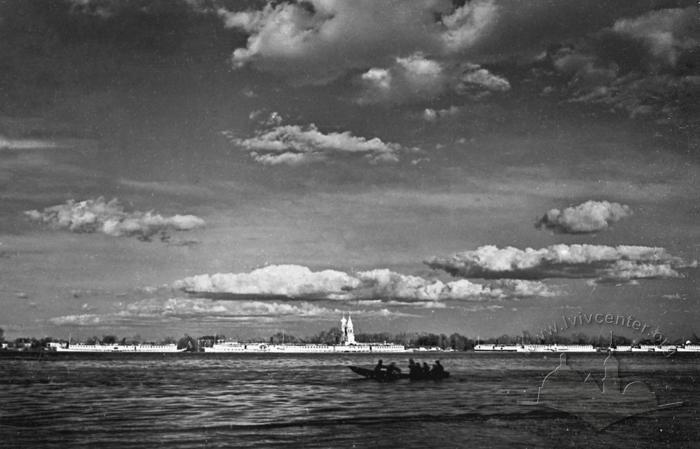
250	167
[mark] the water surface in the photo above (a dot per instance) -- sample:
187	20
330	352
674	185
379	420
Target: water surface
314	401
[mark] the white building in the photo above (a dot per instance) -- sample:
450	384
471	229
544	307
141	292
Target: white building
348	331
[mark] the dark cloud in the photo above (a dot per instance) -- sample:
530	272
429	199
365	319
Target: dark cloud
643	65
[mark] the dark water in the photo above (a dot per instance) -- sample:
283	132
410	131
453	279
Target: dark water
314	401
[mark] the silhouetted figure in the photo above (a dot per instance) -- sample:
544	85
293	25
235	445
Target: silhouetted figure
380	366
438	370
392	368
413	369
426	369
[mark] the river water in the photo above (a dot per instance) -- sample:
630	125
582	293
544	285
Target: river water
313	401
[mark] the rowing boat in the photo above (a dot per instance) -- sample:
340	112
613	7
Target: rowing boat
384	376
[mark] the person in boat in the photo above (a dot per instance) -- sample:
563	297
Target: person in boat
411	367
438	370
392	368
426	369
414	370
380	366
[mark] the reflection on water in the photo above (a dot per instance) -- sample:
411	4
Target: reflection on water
260	401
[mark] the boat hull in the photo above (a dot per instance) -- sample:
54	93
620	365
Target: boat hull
383	376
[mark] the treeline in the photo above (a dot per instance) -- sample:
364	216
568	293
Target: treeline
32	343
461	342
334	336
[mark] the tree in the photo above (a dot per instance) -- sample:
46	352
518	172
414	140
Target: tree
169	340
459	342
330	337
109	339
281	337
188	343
2	334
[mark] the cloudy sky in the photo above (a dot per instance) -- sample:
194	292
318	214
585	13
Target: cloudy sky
250	167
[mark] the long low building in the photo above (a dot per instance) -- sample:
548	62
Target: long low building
347	344
233	346
533	348
586	348
79	347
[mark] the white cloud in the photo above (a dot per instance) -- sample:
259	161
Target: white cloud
476	76
159	310
319	40
591	216
666	32
384	283
25	144
109	217
201	307
468	23
87	319
674	296
605	263
418	78
405	52
284	280
414	77
297	282
379	79
293	145
432	115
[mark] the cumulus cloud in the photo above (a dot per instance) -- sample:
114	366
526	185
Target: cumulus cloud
319	40
467	24
591	216
159	310
418	78
666	32
280	280
604	263
641	65
294	145
476	76
383	283
110	217
414	77
416	50
296	281
432	115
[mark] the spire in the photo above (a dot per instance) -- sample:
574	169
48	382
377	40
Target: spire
350	331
